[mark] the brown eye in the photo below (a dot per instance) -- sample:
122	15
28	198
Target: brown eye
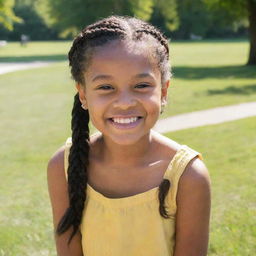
105	87
141	86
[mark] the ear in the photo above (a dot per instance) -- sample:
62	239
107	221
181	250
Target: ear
164	92
82	95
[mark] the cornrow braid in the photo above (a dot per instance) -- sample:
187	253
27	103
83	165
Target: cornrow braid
94	35
105	24
148	29
82	44
161	52
77	169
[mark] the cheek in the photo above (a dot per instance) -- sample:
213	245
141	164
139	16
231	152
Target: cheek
97	108
154	99
95	102
153	105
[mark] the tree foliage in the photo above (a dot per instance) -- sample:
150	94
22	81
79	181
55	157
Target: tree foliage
72	16
166	11
194	18
7	16
238	10
141	8
33	24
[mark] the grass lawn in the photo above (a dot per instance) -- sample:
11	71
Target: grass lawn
35	51
229	153
35	120
209	74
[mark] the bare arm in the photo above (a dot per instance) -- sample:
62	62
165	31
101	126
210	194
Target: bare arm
58	192
193	211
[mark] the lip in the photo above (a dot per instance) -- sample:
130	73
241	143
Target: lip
124	126
123	116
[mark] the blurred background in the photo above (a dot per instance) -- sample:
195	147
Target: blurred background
213	58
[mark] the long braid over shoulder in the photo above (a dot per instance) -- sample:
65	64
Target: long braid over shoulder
77	169
84	45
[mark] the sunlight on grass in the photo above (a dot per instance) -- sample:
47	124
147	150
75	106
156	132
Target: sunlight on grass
209	53
229	153
35	51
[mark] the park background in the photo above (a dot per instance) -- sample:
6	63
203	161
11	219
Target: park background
213	56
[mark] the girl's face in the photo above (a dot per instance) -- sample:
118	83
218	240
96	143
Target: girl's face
123	91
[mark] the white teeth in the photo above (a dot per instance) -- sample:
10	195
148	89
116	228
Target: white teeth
125	120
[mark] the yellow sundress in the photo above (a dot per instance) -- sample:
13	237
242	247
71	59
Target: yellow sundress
132	226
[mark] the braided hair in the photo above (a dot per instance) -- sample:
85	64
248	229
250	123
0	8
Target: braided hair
98	34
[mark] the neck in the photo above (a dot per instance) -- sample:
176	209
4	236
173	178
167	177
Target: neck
125	155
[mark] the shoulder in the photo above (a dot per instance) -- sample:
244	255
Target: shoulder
56	169
196	173
58	193
193	210
57	184
56	162
195	181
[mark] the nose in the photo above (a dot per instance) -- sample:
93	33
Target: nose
124	100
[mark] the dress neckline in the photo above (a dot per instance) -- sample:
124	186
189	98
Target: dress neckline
147	195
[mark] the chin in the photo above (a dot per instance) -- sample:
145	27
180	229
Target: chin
127	139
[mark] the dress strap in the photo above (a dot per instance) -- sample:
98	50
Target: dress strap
176	168
68	144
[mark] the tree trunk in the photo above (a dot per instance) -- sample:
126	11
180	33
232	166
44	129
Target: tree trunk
252	32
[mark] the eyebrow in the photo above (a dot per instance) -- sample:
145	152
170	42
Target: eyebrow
101	77
108	77
144	75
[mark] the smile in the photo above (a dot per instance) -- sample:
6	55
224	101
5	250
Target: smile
125	120
125	123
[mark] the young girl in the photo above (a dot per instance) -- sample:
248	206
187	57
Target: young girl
127	190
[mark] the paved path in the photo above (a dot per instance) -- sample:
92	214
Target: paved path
178	122
6	67
206	117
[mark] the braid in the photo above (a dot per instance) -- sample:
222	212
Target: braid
162	53
148	29
87	39
163	190
77	170
98	34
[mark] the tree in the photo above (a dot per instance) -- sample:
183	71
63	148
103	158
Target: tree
194	18
141	8
71	16
7	16
252	31
165	15
240	9
32	25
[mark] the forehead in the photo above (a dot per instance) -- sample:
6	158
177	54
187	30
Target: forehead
123	58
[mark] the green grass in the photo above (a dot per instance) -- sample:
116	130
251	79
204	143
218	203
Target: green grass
229	153
196	53
35	120
209	74
35	51
35	112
